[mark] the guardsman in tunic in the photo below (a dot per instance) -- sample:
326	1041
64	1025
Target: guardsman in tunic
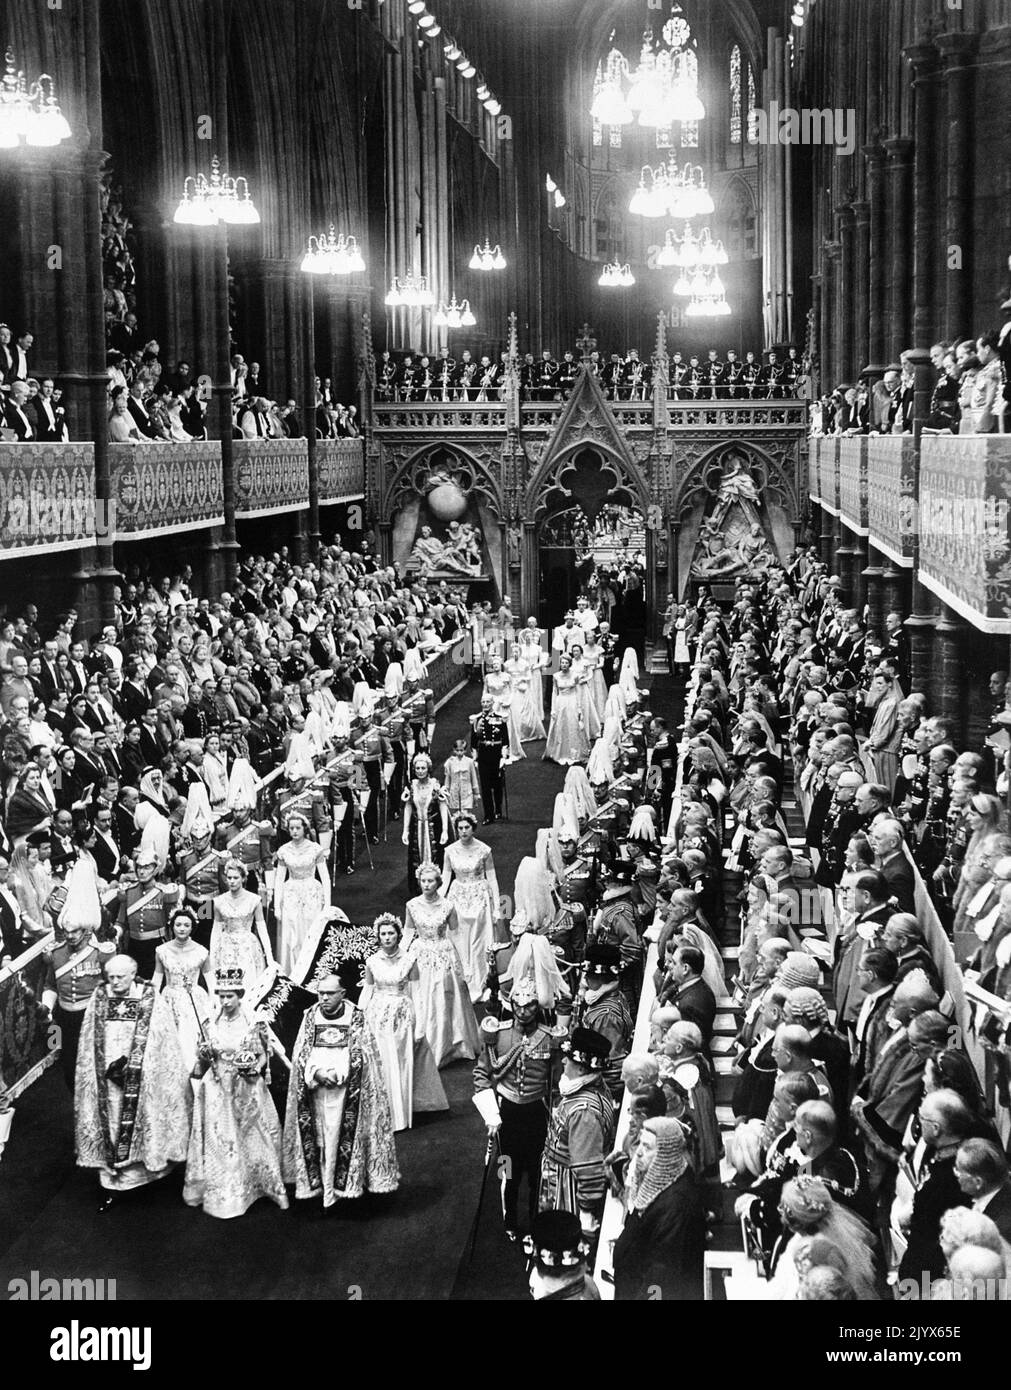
375	750
615	924
696	378
567	374
732	377
396	729
517	1063
558	1255
772	377
751	375
342	793
576	886
303	795
580	1133
466	388
248	841
200	878
715	371
607	1011
144	911
679	377
387	382
547	376
445	370
408	378
490	741
75	972
419	709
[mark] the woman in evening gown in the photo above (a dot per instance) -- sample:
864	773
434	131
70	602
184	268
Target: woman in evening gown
593	664
500	686
526	686
591	718
568	741
234	1156
412	1078
179	964
301	891
442	1004
531	645
469	883
239	938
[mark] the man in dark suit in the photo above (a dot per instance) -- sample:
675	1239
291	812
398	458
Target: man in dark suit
807	1008
876	978
139	414
17	415
105	850
945	1120
981	1171
887	843
692	997
48	417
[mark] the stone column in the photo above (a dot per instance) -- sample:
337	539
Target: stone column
949	670
957	53
826	539
896	588
845	297
926	92
877	252
921	623
900	224
859	576
861	286
829	317
875	590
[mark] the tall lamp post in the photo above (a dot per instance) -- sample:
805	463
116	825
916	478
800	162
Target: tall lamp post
219	202
330	255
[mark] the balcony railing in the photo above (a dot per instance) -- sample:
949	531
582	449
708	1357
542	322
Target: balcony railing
47	499
271	475
853	483
159	488
340	464
542	415
891	497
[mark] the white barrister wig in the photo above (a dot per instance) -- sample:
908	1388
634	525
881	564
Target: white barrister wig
600	768
414	666
393	685
547	852
616	705
577	784
565	816
82	907
629	677
197	819
243	786
298	763
533	895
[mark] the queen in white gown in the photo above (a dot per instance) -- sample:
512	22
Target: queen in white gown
442	1004
470	884
499	685
568	741
239	938
179	965
412	1078
301	891
527	695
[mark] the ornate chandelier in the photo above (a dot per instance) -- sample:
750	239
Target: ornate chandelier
487	258
616	276
29	113
454	315
411	292
667	191
707	293
661	90
333	255
691	250
205	202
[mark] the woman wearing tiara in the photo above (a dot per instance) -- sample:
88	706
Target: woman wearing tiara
180	964
506	696
239	938
532	650
426	820
412	1079
444	1012
526	695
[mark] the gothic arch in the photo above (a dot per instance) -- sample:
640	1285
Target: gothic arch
473	474
548	482
701	481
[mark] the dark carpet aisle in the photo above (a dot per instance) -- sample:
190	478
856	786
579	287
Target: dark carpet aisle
414	1245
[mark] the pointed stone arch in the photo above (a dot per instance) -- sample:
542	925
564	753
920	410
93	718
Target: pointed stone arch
769	472
408	477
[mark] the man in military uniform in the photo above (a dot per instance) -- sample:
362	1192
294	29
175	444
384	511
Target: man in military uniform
732	377
396	729
842	819
517	1064
466	388
635	377
751	375
528	378
715	373
772	376
342	794
386	383
679	377
547	376
74	973
696	378
247	840
615	924
375	750
580	1133
144	909
607	1011
490	742
303	795
407	378
608	644
577	894
445	368
200	877
418	706
567	374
